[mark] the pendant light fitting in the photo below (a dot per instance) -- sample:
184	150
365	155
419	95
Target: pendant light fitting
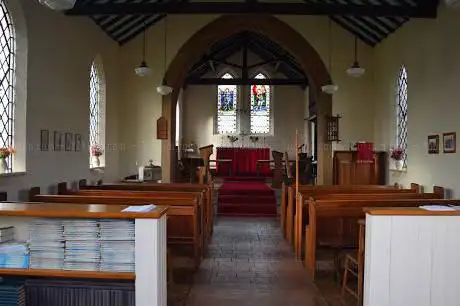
330	88
356	70
164	89
143	70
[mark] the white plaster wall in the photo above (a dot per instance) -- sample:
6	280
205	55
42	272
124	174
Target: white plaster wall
429	50
141	104
60	51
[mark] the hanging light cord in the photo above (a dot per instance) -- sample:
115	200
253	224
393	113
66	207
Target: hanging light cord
143	43
330	47
356	49
164	68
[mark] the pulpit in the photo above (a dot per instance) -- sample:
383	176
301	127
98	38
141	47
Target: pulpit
244	161
356	168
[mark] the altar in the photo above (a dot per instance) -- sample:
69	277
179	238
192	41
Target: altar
243	161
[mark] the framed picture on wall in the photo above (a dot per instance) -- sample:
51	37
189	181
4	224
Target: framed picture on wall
68	141
77	142
44	140
433	144
57	141
449	142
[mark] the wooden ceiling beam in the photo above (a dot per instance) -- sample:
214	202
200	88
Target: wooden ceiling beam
427	10
220	81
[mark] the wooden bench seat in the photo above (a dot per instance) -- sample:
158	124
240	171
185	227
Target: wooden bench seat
288	199
145	186
185	215
352	210
302	214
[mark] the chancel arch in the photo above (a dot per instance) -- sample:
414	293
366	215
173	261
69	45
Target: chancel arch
223	27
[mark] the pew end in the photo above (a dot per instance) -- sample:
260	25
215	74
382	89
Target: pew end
62	188
440	191
33	193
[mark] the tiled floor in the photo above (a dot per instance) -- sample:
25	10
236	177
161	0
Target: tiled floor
249	263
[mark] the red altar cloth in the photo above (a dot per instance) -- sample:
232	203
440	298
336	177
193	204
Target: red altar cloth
244	161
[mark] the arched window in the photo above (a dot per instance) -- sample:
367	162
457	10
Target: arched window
97	108
7	81
260	107
226	107
401	113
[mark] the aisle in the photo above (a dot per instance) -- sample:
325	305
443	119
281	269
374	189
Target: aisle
250	264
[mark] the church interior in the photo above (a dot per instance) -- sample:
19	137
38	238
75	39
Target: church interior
213	152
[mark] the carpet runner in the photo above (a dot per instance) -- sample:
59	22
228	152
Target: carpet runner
246	198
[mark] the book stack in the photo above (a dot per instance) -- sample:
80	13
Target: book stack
82	248
117	245
46	244
14	255
6	234
12	294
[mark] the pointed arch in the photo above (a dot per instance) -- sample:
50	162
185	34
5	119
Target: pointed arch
13	78
227	102
401	112
261	106
97	97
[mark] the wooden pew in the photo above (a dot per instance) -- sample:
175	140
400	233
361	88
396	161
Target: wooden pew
352	210
397	194
179	187
185	218
292	217
288	200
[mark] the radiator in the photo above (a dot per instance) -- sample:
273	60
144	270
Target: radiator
79	293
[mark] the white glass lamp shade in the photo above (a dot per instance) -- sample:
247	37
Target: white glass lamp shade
164	90
330	89
58	5
143	70
355	71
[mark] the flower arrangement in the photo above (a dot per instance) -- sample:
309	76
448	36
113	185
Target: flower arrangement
397	154
5	152
96	150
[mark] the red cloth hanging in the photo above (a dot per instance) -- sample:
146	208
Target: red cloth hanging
365	152
244	161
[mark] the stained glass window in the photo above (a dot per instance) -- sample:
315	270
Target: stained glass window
7	81
401	112
260	107
226	107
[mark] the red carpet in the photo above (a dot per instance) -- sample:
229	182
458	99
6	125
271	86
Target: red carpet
246	198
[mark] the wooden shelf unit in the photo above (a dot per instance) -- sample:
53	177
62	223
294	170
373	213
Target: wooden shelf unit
50	273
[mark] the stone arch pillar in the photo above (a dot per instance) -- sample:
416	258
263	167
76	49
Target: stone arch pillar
276	30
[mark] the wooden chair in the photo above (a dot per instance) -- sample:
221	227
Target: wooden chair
354	264
278	172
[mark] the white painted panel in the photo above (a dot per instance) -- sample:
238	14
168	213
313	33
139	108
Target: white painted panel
151	262
412	261
445	281
377	261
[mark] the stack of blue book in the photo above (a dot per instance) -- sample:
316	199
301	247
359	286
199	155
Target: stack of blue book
82	247
14	255
46	244
117	245
12	294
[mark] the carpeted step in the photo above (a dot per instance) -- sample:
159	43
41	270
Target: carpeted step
229	199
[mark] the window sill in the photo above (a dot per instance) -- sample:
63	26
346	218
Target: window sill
19	173
97	168
404	170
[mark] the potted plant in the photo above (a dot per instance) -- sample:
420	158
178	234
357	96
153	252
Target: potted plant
4	154
397	154
96	152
